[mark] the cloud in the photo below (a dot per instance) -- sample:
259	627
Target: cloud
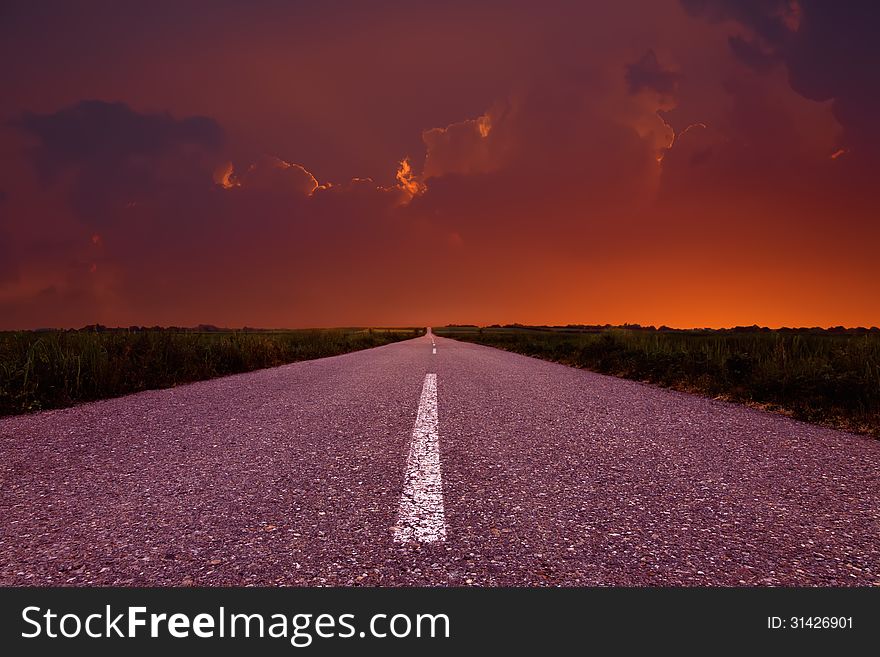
560	156
271	179
465	147
751	53
98	133
772	20
274	175
830	50
113	156
648	74
407	180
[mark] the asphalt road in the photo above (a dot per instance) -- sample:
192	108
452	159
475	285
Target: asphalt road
340	471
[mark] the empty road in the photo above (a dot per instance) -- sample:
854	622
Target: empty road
452	464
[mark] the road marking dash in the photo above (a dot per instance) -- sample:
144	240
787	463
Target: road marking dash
434	350
421	518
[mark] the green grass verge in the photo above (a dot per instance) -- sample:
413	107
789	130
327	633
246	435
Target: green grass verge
52	369
828	377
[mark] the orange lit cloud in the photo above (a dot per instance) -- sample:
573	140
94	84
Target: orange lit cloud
224	175
269	174
464	147
407	180
272	175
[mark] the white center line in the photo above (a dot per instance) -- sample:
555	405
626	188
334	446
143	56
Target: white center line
434	351
421	518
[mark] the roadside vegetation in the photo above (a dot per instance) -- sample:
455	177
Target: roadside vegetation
828	376
52	369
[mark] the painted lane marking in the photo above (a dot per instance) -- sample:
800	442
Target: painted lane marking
421	517
435	350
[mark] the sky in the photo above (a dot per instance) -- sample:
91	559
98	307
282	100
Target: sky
686	163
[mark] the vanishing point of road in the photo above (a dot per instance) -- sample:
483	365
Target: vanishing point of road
432	462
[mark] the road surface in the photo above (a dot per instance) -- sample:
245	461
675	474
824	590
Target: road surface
499	469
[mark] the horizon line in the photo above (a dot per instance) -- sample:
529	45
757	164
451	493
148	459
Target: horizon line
625	325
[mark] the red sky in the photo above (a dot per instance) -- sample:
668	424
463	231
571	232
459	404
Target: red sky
689	163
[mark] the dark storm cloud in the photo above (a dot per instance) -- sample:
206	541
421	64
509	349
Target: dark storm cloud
770	19
831	51
101	134
647	73
750	53
118	155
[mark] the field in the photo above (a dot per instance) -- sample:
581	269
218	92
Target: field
52	369
825	376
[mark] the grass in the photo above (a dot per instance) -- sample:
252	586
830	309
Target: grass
51	369
828	377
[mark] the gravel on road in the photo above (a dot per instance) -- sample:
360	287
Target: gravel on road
551	476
